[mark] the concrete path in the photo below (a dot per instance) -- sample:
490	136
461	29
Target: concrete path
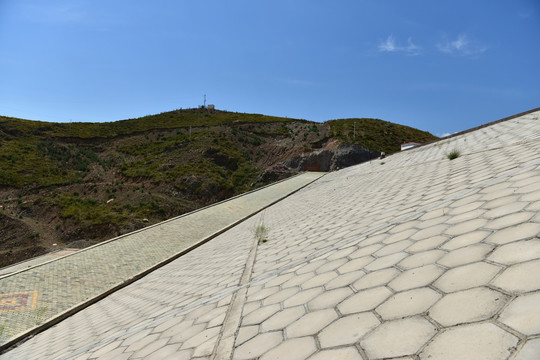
33	296
412	257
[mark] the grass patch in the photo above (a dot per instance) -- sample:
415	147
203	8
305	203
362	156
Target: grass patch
454	154
260	232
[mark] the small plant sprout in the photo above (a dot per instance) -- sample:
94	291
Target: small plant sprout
454	154
260	232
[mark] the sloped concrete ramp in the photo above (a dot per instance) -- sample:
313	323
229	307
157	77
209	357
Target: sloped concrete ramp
411	257
33	297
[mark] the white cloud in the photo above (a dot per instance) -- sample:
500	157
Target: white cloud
461	46
390	45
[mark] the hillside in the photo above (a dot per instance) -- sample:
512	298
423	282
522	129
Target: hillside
76	184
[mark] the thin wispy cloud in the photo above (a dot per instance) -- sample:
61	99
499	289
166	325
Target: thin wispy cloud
461	46
525	14
390	45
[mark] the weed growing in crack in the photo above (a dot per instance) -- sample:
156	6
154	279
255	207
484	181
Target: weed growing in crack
454	154
260	232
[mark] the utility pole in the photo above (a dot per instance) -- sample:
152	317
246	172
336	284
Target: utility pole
204	101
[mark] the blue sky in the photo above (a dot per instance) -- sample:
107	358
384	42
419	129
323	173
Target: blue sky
441	66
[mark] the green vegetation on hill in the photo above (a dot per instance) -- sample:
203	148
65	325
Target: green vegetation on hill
87	182
377	135
166	120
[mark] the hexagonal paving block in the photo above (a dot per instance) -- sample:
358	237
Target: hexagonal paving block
421	259
344	280
416	277
515	233
505	210
466	227
319	280
376	278
466	240
429	232
465	208
365	251
466	216
509	220
530	350
259	315
201	337
365	300
292	349
398	338
467	277
245	333
347	330
311	323
329	298
427	244
280	295
297	280
467	306
355	264
282	318
408	303
520	277
522	314
471	342
465	255
331	265
386	261
264	293
302	297
516	252
258	345
393	248
348	353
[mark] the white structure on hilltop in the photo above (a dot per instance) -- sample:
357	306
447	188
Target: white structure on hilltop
408	145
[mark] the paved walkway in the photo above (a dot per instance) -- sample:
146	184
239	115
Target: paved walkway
32	296
412	257
38	260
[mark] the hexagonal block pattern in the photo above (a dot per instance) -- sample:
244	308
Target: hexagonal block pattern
292	349
529	351
408	303
516	252
407	337
522	314
471	342
258	345
348	353
467	277
467	306
365	300
311	323
466	255
517	278
416	277
347	330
